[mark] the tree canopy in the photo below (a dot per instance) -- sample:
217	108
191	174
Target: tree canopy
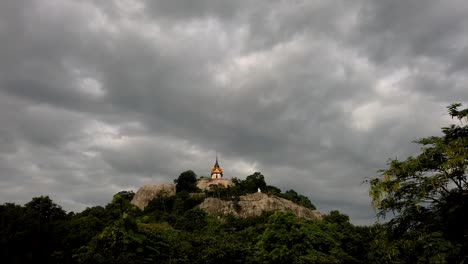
187	181
172	229
427	195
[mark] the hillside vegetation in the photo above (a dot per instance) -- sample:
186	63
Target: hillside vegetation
426	197
172	229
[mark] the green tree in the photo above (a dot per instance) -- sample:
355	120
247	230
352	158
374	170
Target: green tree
33	233
273	190
336	217
298	199
120	205
288	239
353	240
15	233
48	224
162	203
428	195
44	209
122	242
83	227
187	181
251	184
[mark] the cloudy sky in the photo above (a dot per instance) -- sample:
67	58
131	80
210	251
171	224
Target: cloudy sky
102	96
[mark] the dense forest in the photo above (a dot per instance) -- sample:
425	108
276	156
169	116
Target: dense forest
425	199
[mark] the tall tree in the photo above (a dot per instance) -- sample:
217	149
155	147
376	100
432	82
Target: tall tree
428	194
289	239
251	184
187	181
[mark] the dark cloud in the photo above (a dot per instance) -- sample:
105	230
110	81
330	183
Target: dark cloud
404	31
98	97
193	10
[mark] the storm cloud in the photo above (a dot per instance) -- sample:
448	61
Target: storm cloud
102	96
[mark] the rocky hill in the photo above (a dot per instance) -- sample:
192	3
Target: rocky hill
206	184
254	204
148	192
246	206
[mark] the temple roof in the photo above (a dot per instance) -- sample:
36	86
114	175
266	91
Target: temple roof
216	168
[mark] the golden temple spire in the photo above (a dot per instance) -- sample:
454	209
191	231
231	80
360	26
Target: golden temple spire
216	171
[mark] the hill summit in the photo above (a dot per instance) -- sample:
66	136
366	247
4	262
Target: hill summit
246	205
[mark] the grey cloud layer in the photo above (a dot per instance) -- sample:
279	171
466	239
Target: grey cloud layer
97	97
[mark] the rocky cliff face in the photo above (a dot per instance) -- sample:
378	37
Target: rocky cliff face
206	184
148	192
248	205
254	204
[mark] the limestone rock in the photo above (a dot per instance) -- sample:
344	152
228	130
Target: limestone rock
206	184
148	192
254	204
248	205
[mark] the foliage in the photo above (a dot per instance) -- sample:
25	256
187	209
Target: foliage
428	195
336	217
162	203
297	198
170	230
251	184
33	233
122	242
288	239
187	181
273	190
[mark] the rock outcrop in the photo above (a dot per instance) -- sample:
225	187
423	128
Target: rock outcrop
148	192
254	205
246	206
206	184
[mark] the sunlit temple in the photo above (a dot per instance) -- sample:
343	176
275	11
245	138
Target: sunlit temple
216	171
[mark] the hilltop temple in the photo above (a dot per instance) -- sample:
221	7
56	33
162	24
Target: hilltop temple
216	171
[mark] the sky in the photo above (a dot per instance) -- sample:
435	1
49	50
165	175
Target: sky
97	97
